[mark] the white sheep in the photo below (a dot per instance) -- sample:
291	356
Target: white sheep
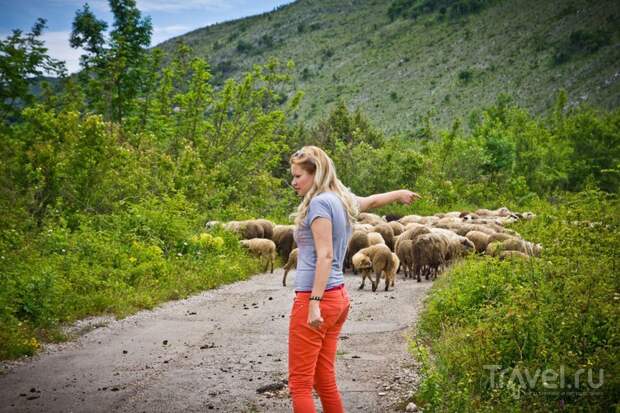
263	248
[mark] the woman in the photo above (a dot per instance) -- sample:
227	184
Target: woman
322	231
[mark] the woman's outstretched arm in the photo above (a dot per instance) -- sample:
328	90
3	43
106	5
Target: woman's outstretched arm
404	196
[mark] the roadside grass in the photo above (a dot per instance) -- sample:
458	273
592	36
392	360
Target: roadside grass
111	265
531	320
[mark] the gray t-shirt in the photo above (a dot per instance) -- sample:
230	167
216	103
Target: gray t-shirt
325	205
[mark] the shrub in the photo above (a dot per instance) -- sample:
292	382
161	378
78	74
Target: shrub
556	313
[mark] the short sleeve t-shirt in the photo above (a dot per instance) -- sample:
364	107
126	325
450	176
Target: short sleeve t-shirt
325	205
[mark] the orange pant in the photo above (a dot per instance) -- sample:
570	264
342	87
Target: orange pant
312	352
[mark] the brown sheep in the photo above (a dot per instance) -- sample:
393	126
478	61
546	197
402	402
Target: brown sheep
378	259
429	254
457	244
359	240
390	277
290	264
387	233
397	227
480	240
458	248
414	231
245	229
267	227
375	238
404	251
284	239
263	248
368	218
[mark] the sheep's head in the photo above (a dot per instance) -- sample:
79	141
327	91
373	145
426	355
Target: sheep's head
245	243
468	246
361	261
212	224
503	212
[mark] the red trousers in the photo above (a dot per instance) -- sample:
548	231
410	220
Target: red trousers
312	352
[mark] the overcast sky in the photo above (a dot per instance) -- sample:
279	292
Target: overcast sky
169	17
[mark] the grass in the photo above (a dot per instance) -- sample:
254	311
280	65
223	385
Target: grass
424	60
549	315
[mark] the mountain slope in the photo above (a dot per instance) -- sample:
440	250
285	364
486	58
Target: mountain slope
398	71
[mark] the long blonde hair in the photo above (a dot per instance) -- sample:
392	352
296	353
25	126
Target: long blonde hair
315	161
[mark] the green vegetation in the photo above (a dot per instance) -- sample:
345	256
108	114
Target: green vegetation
107	182
549	325
509	47
454	8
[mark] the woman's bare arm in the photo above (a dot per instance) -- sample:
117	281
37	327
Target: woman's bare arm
378	200
322	234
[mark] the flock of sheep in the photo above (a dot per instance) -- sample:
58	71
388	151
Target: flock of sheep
419	245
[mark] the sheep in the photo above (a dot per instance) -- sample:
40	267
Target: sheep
499	212
362	227
429	254
368	218
499	236
458	248
387	233
480	240
391	217
378	259
514	244
283	236
263	248
267	227
397	227
404	251
290	264
391	275
375	238
513	254
457	244
359	240
409	219
245	229
433	251
411	233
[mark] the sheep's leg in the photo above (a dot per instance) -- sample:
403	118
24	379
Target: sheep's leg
361	287
266	264
375	283
284	278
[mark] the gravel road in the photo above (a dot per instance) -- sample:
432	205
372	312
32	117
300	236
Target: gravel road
215	351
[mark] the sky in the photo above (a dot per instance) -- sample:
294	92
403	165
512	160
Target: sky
170	18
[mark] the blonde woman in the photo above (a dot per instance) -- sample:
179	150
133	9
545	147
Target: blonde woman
322	231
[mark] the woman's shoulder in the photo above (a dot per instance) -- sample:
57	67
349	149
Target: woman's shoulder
325	198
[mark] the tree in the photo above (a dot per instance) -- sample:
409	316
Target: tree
114	69
23	58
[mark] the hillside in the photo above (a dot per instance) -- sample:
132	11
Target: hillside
398	71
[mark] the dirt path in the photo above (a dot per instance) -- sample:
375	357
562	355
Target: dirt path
213	351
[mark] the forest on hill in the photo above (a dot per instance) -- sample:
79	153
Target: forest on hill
108	177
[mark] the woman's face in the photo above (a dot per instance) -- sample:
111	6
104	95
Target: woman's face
302	180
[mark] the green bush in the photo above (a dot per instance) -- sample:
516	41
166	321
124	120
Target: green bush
555	313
